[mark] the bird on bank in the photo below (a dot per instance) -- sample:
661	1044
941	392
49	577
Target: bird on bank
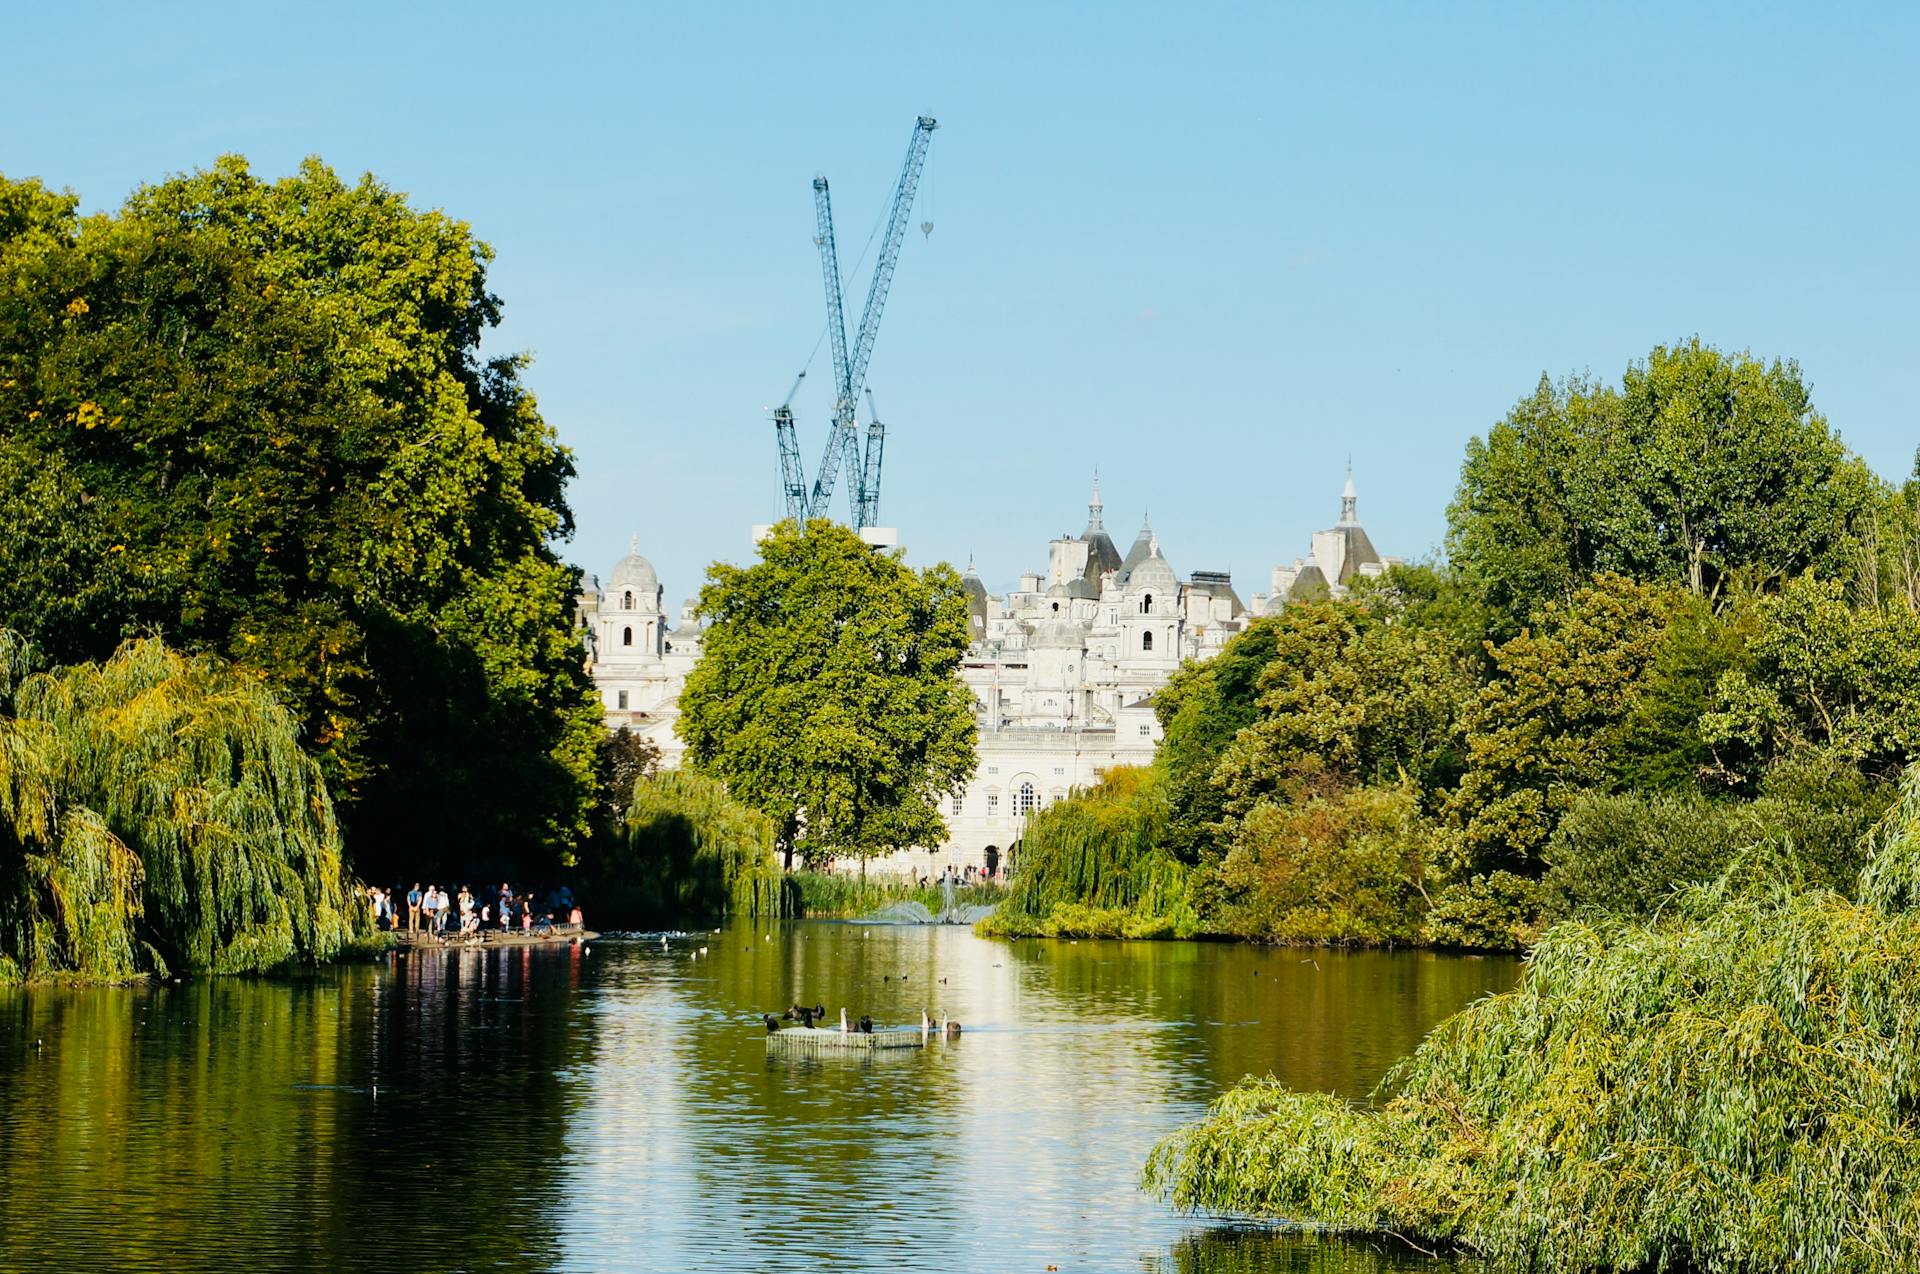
773	1023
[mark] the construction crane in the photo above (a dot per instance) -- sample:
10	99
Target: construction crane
844	449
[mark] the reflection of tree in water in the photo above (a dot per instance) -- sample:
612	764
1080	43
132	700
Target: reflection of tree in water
233	1124
1322	1020
1234	1250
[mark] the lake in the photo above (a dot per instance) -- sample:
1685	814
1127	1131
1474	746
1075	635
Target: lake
616	1108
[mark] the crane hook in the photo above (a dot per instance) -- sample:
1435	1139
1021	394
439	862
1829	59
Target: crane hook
926	230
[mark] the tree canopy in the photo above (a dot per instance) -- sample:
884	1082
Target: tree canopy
827	695
255	416
1709	470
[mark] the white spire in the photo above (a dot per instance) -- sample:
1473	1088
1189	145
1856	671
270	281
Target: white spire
1095	508
633	545
1349	500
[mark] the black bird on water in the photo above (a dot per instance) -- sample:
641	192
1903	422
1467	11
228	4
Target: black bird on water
866	1025
805	1016
773	1023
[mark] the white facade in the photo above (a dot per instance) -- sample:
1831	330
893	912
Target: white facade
1063	667
639	662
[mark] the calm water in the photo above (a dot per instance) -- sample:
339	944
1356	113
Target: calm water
617	1110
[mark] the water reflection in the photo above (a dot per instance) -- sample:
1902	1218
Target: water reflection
619	1110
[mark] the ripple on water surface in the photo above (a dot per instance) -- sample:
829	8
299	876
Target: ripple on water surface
619	1110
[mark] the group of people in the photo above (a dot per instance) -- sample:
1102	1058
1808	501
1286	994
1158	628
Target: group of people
432	911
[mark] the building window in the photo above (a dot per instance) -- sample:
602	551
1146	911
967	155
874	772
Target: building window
993	769
993	805
626	600
956	807
626	636
1146	604
1146	641
1025	802
1146	729
620	700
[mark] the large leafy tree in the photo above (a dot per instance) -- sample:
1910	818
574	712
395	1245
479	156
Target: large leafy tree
254	416
827	695
1705	469
1551	721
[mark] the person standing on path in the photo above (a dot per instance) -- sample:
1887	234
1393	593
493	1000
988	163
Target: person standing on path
413	908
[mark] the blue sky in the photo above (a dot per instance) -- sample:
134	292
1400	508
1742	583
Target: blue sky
1213	250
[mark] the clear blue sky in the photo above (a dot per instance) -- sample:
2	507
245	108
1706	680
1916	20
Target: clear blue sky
1212	250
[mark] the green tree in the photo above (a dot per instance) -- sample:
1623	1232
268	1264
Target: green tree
1348	865
258	420
1709	470
1548	723
827	695
687	851
1822	673
157	815
1357	691
1201	708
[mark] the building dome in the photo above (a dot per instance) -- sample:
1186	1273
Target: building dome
636	573
1153	575
1056	634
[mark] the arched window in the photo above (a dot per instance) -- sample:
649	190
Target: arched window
1026	802
1146	604
1146	641
626	636
1056	608
626	602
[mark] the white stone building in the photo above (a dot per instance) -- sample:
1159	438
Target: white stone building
638	662
1063	667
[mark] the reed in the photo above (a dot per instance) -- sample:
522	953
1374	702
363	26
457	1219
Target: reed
1734	1086
158	815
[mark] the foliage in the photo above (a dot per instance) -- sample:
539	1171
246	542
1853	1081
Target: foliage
1628	853
1498	911
1825	673
1707	470
1728	1089
1547	723
827	695
1201	709
1370	698
158	815
690	852
254	416
1095	863
1348	865
625	759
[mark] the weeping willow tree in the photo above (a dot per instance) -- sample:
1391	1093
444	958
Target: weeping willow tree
1735	1087
690	851
1094	864
157	815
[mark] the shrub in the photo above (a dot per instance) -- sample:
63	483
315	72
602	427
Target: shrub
1627	854
1496	912
1348	867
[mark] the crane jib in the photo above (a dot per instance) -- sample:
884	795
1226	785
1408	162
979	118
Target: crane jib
863	465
